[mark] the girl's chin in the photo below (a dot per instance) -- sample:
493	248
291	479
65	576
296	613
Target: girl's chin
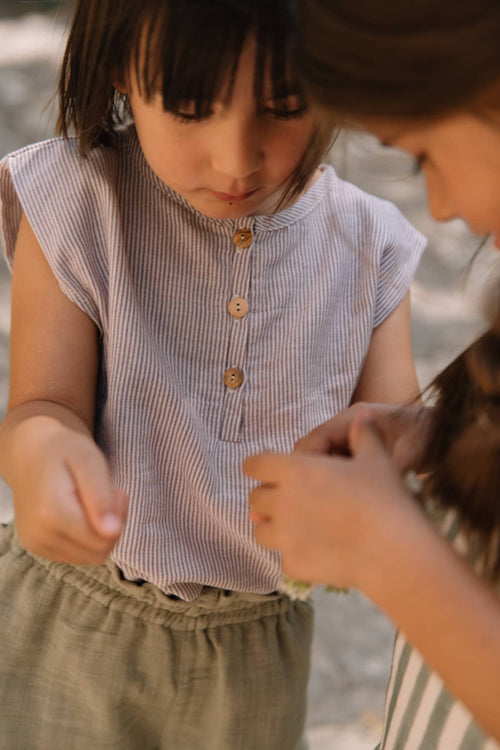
217	208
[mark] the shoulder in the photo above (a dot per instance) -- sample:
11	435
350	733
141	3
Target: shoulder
365	221
351	206
64	195
57	164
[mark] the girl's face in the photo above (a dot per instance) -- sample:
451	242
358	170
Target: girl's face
236	161
460	157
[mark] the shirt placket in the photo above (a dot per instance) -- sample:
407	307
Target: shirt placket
237	306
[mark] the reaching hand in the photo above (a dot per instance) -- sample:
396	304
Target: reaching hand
403	429
332	517
66	508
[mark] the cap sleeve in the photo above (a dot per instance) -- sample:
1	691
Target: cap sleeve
401	250
61	195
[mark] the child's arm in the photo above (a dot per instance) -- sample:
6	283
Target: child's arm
350	522
65	506
388	374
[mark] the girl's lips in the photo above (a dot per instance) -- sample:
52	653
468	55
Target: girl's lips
228	197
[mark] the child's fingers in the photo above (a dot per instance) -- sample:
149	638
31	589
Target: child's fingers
265	535
365	439
332	436
104	506
261	504
76	546
257	517
121	499
318	441
266	467
60	529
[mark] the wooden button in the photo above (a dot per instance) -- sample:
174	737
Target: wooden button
238	307
242	238
233	377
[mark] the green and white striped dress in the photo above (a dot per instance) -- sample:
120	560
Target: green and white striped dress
420	713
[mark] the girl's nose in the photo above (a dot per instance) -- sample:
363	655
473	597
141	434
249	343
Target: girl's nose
237	152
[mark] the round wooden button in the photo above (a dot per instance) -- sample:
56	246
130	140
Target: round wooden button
238	307
233	377
243	238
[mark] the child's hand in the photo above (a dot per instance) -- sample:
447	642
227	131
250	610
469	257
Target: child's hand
65	506
332	518
403	430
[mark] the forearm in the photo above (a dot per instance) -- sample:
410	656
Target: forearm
448	614
17	435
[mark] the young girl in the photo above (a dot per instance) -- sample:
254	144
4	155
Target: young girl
187	290
401	72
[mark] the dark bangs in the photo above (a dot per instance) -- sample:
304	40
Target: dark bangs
196	48
186	49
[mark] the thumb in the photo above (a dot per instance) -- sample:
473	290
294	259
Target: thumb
364	438
104	506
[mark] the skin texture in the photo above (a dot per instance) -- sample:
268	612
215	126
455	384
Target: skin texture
235	151
347	519
66	507
349	522
460	158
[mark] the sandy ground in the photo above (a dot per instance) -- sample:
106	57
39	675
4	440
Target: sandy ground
353	640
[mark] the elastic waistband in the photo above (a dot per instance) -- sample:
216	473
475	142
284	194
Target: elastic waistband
106	585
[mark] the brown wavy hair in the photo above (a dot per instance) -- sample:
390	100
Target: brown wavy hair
463	454
400	59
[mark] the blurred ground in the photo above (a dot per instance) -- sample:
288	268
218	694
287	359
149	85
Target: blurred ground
353	640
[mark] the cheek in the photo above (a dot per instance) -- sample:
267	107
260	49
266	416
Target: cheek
286	148
174	159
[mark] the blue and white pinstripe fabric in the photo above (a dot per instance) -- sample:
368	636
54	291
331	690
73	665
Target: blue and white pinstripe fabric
156	276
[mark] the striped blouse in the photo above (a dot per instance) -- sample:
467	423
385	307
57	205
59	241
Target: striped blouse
218	338
420	713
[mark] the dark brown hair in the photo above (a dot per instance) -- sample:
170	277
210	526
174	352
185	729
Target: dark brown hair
188	49
464	450
400	58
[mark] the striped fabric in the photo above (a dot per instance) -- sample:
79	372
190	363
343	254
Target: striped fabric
156	276
420	713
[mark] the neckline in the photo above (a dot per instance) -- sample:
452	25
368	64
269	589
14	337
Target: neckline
289	215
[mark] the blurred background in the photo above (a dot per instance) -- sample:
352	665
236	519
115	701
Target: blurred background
353	641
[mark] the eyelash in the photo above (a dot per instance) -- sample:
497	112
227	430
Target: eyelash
187	119
285	114
278	114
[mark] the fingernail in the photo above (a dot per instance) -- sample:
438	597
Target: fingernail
110	523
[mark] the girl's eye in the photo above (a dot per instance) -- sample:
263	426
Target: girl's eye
283	113
189	117
188	111
285	107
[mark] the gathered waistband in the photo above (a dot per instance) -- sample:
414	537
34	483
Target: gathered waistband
106	585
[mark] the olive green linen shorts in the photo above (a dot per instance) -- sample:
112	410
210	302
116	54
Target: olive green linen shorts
90	661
